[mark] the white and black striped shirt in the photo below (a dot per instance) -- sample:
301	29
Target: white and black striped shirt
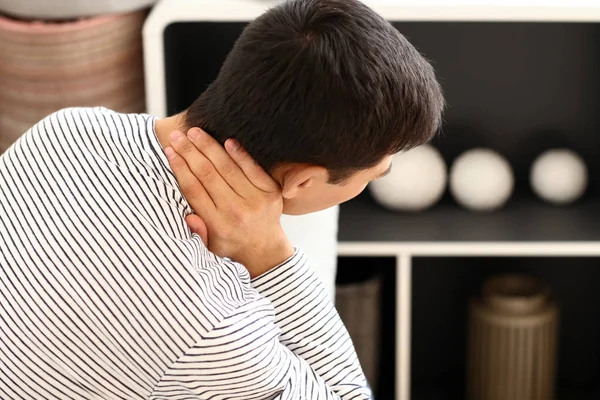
105	294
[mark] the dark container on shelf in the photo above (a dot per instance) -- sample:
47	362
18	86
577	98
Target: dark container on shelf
358	304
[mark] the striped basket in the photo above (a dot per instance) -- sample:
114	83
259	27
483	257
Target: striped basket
513	341
69	9
48	66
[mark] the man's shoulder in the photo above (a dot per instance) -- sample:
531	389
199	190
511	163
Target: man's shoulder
122	139
99	112
94	118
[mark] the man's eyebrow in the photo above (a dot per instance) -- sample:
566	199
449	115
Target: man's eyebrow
384	173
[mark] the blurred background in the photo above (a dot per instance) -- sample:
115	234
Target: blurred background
471	271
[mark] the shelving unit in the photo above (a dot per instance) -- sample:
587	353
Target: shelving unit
511	69
524	229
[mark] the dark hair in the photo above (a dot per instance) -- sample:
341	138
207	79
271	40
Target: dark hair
325	82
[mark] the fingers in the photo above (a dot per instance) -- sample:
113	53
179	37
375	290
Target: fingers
198	227
202	169
253	171
191	187
224	164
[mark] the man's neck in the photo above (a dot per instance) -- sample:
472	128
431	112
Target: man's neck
165	126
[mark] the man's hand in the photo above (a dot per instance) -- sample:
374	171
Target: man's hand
238	205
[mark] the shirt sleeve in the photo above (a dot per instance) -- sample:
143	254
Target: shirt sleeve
309	323
243	358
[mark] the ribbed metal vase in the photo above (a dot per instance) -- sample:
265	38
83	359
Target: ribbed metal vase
512	341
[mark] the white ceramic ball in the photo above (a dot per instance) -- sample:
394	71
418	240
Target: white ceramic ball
481	180
417	181
559	176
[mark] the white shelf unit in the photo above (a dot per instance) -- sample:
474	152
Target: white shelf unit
582	11
404	253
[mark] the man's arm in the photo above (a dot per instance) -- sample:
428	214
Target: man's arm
310	326
243	358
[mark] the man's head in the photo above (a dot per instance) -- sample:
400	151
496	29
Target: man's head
321	93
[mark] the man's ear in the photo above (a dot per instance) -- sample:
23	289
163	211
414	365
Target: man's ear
299	177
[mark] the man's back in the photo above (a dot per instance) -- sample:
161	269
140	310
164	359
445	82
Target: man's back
104	294
97	293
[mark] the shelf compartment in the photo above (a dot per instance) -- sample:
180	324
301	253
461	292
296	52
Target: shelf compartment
441	289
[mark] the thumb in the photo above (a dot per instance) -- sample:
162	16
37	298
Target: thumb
197	226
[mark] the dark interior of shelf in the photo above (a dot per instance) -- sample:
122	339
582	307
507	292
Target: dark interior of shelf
352	270
442	288
517	87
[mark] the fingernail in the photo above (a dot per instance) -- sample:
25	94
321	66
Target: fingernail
194	134
175	136
170	153
234	144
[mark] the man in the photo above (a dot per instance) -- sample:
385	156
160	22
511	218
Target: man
105	293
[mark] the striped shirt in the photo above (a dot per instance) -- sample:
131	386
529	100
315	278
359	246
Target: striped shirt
105	293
